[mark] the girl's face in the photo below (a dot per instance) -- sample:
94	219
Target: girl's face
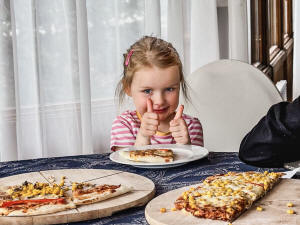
162	86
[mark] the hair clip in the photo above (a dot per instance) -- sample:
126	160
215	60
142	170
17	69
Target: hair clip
128	57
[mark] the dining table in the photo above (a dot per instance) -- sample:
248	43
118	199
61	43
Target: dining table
165	179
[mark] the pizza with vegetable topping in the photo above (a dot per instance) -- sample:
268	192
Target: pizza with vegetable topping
33	199
149	155
43	198
226	196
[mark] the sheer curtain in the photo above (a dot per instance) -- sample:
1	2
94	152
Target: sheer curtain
60	61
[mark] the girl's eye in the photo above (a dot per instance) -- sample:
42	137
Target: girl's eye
147	91
170	89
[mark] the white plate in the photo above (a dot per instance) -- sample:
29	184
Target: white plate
292	166
183	154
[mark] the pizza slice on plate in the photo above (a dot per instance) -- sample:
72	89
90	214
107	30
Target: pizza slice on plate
149	155
226	196
86	193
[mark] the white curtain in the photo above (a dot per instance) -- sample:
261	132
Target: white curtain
238	30
60	61
55	100
204	48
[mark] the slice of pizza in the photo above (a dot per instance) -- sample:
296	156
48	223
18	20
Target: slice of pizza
34	199
226	196
86	193
149	155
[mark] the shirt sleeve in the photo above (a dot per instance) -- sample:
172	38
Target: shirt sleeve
275	140
121	134
195	132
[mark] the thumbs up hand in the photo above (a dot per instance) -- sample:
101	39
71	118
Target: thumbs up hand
179	129
149	125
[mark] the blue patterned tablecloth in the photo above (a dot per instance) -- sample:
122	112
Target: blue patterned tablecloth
165	179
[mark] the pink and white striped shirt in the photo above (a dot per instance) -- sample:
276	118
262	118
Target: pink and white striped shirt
126	126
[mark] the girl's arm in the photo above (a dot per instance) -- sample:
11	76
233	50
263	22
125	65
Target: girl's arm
196	132
122	133
142	140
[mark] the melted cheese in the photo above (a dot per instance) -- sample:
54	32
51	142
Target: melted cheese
230	190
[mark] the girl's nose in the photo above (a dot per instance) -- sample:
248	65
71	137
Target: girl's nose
157	99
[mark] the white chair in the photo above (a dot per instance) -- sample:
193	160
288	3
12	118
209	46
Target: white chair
229	97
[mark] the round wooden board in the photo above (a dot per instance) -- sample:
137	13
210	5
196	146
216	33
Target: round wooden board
273	204
144	190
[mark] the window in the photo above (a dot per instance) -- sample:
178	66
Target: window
272	40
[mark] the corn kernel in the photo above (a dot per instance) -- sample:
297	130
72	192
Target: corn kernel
229	210
289	204
259	208
229	190
74	186
197	213
290	211
163	210
197	194
192	201
193	206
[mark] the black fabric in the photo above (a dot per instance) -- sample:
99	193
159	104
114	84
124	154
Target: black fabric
275	140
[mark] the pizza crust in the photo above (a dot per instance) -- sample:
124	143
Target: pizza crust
39	210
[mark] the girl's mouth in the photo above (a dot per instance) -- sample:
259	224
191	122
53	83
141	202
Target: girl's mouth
160	111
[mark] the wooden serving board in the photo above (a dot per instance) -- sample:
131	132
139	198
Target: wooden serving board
273	204
144	190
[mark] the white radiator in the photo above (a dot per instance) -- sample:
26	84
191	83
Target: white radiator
282	88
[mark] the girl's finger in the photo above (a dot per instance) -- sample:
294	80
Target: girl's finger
179	112
149	105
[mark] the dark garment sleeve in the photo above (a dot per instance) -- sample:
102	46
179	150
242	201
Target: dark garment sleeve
275	140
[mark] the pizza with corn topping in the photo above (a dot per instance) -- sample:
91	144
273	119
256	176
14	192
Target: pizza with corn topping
226	196
43	198
34	199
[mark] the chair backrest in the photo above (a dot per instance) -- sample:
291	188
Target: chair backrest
229	97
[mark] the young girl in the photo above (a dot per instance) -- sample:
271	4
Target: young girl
152	78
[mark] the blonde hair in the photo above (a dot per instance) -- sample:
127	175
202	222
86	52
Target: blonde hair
148	52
